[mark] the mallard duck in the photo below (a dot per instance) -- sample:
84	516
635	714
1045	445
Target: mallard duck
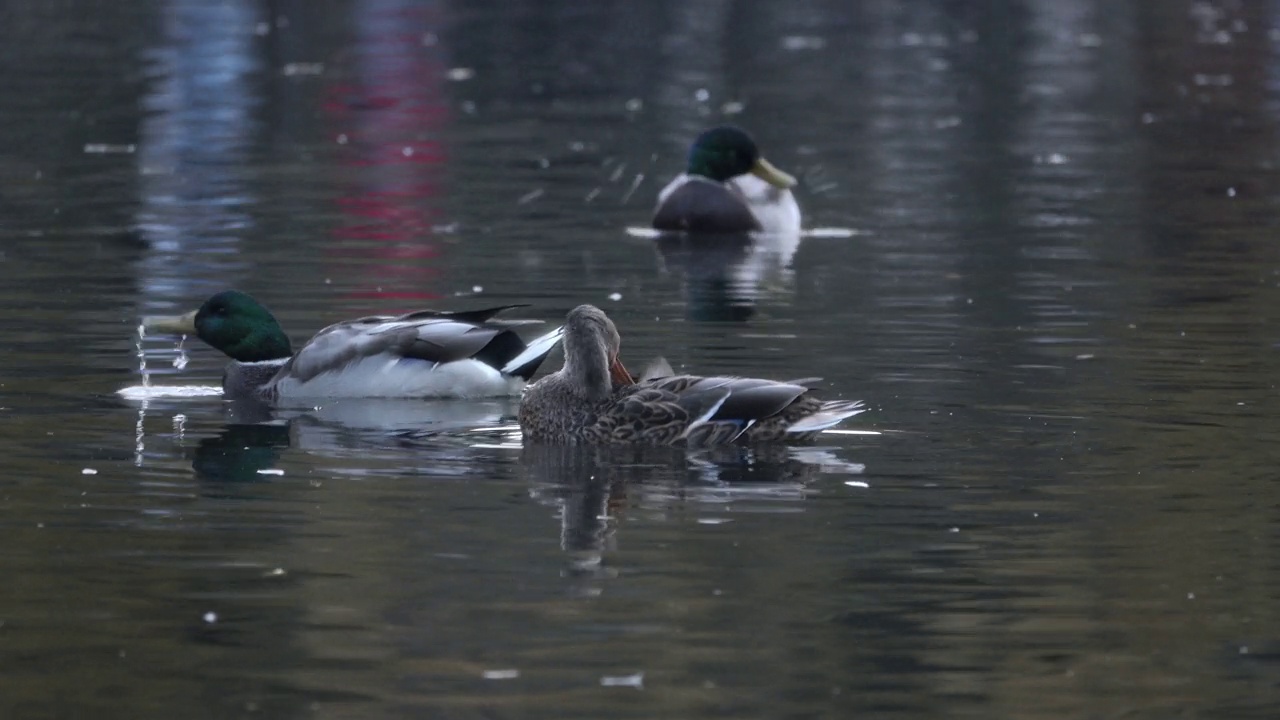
594	399
425	354
727	187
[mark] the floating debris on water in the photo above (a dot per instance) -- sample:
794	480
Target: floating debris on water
832	232
615	296
644	232
504	674
271	471
634	681
460	74
292	69
210	617
88	471
108	149
530	196
802	42
857	483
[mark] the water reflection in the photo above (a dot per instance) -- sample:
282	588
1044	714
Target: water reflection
388	121
725	275
593	486
241	453
1066	295
194	147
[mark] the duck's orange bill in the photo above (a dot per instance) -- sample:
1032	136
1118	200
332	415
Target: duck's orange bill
619	374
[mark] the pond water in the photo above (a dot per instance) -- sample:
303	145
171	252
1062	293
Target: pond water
1040	243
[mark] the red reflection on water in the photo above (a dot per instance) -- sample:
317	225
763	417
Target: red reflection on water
386	122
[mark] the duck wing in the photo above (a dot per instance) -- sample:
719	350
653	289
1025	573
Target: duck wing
760	410
749	399
426	335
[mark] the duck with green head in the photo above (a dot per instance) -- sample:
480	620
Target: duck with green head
728	187
424	354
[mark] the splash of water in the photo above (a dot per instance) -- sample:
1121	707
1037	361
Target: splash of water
180	360
139	436
142	356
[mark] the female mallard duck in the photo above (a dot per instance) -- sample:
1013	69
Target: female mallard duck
593	399
425	354
728	188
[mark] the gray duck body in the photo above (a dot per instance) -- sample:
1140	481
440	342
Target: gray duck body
593	400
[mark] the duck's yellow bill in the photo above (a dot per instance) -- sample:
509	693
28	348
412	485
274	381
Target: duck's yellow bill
765	170
619	374
177	324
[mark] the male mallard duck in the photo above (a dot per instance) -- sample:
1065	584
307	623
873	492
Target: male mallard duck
425	354
728	188
593	399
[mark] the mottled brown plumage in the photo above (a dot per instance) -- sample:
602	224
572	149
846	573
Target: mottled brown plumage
593	399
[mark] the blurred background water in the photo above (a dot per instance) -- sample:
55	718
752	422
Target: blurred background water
1041	248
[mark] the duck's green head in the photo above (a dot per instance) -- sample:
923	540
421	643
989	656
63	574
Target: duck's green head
726	152
234	323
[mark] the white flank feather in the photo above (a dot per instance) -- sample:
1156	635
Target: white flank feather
380	376
829	416
775	208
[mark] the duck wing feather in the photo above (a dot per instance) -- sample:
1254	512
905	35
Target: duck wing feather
423	335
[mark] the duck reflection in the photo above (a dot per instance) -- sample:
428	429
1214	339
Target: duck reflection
594	486
725	274
240	453
256	434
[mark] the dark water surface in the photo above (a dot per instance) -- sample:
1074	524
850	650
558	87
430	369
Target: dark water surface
1045	256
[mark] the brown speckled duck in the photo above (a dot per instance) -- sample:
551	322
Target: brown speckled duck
594	399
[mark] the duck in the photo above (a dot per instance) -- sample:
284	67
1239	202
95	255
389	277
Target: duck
728	187
423	354
593	399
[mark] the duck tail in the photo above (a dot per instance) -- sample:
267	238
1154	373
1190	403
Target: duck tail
829	415
527	362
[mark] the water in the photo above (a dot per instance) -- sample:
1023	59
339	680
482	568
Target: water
1040	245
